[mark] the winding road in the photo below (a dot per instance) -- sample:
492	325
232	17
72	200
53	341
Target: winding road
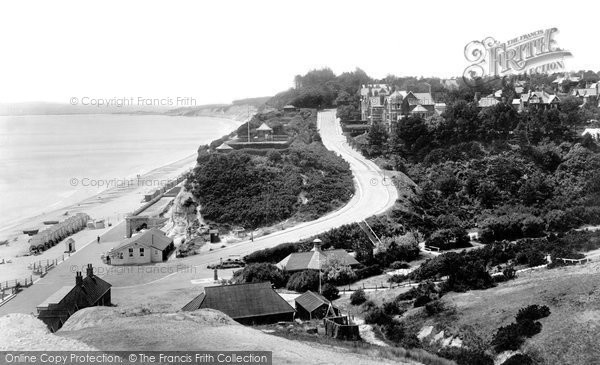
374	195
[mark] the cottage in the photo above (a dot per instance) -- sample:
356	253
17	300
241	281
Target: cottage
249	303
89	291
264	131
312	305
314	259
146	247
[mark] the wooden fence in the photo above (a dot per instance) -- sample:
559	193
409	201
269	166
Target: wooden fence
341	329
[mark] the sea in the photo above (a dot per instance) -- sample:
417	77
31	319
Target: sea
50	161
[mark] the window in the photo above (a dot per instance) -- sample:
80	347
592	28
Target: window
141	251
131	252
121	255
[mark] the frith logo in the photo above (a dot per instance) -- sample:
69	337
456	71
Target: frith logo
534	52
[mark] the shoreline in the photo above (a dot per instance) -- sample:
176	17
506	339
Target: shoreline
112	204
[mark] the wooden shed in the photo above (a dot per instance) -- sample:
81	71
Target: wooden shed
311	305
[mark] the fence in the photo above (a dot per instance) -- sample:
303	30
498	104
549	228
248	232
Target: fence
340	328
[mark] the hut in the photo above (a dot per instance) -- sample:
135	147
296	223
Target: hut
224	148
311	305
264	131
248	303
314	259
88	291
289	108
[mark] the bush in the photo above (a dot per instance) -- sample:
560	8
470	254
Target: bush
377	316
518	359
257	273
422	300
330	292
368	271
532	312
508	338
529	328
303	281
394	332
435	307
464	356
358	297
368	306
334	271
273	255
391	308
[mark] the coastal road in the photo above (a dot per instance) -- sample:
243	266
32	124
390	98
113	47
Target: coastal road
374	195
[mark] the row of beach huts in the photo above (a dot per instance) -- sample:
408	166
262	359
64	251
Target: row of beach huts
54	234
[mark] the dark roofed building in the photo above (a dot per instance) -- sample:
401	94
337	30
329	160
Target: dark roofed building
314	259
89	291
250	303
311	305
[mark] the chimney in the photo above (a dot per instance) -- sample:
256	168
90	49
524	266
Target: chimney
78	279
90	271
317	244
477	96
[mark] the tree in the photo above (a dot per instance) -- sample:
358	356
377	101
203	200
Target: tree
258	273
358	297
303	281
330	292
377	138
335	271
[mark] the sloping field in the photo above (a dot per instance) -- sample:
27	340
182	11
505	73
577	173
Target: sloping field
570	335
125	329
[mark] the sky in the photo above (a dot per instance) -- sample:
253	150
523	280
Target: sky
219	51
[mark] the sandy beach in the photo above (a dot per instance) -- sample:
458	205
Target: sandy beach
112	204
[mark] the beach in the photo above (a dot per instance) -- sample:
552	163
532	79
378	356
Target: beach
167	151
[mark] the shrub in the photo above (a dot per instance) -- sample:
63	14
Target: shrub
464	356
529	328
422	300
507	338
397	278
257	273
377	316
391	308
358	297
334	271
303	281
532	312
518	359
368	305
367	272
435	307
273	255
394	331
330	292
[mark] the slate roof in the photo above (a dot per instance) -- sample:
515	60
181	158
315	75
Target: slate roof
72	298
313	260
311	301
487	102
153	237
241	300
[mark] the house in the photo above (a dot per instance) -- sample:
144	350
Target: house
312	305
89	291
588	94
539	99
249	303
144	248
450	84
594	132
314	259
413	100
487	102
371	101
392	111
440	108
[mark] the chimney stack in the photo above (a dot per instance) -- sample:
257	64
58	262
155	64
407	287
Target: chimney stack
90	271
78	279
